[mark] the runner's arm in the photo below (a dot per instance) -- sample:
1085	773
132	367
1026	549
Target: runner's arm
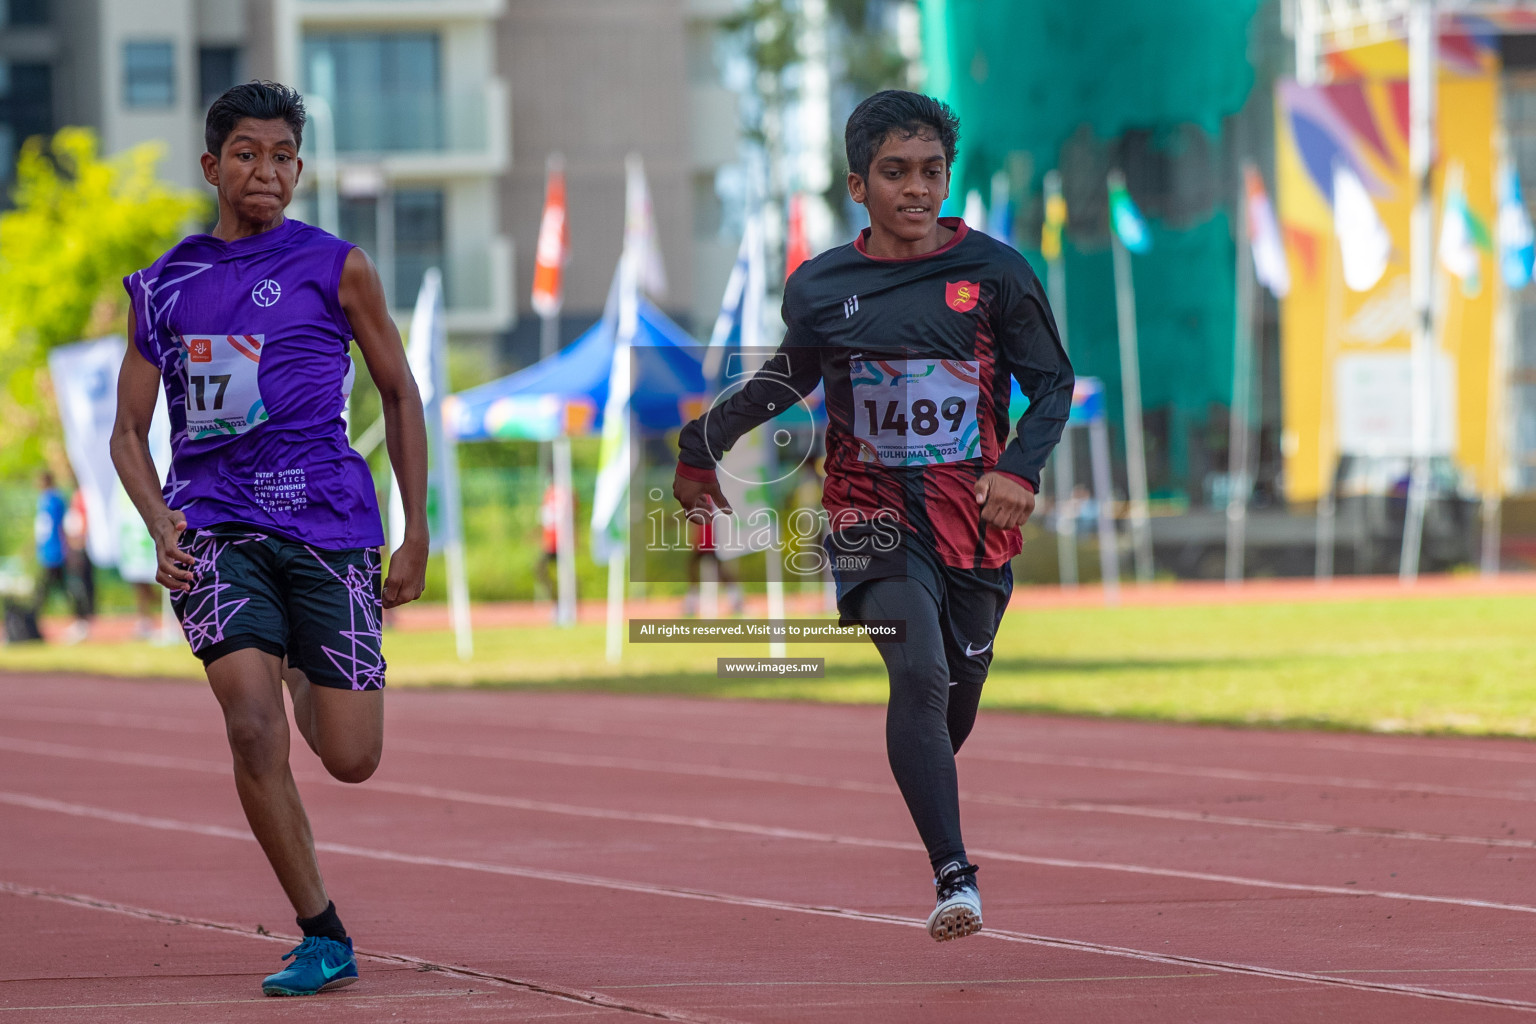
1031	348
789	376
405	424
138	389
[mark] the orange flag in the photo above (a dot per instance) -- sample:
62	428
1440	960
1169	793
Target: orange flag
549	260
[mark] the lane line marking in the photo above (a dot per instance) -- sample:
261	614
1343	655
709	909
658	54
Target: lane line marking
742	828
570	995
676	892
41	748
845	785
1044	760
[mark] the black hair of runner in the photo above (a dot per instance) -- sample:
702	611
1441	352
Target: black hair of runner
264	101
896	111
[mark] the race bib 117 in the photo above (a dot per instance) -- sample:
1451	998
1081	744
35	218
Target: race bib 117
223	391
916	412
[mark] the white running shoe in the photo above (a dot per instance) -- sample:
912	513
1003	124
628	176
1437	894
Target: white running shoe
958	912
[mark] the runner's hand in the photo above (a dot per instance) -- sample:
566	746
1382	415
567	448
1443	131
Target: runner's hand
697	495
1004	503
174	570
407	573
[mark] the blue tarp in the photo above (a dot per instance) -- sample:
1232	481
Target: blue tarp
566	393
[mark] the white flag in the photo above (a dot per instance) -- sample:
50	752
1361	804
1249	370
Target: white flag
427	353
975	211
1363	240
640	270
1269	264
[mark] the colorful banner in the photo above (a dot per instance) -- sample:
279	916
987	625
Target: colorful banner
1342	351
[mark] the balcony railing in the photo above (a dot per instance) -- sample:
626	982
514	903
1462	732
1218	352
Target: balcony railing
390	123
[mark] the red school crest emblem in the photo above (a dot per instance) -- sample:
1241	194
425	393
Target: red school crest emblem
961	296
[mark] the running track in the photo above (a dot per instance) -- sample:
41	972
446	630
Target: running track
580	858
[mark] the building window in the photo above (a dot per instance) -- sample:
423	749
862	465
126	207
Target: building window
419	238
384	89
218	68
26	108
149	74
23	12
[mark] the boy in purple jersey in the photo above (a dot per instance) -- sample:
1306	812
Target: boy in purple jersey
267	529
915	330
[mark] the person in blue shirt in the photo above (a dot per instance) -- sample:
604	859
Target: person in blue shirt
48	532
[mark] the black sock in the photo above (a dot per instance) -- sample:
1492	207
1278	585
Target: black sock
325	925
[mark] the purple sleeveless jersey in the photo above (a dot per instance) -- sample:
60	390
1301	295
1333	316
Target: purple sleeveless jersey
251	341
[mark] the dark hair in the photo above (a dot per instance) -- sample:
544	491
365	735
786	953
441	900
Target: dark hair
265	101
907	114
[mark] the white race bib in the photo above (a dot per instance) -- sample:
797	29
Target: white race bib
223	393
916	412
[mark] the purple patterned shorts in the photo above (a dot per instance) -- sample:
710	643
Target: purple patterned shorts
321	609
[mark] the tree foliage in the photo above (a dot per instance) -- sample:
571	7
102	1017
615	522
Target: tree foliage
80	223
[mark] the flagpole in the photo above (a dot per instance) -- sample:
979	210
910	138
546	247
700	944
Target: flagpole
1498	359
1062	462
1422	78
1130	387
1103	497
1327	419
1242	388
1493	458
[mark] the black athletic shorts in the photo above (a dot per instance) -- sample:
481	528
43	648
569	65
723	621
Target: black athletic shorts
971	601
321	609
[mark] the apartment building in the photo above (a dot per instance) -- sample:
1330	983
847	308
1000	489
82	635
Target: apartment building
136	70
431	124
411	128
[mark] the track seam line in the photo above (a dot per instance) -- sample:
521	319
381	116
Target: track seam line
581	997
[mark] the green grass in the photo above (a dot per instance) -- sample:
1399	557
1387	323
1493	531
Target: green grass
1463	665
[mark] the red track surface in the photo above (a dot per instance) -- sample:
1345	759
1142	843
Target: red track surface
598	858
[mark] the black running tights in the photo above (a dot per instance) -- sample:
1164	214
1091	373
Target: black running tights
927	718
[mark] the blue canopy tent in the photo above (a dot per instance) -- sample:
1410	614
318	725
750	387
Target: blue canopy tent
564	395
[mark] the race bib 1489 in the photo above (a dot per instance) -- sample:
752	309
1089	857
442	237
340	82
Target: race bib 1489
916	412
223	392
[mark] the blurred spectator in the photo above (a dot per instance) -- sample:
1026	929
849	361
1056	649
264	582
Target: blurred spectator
80	571
702	541
137	565
52	553
549	546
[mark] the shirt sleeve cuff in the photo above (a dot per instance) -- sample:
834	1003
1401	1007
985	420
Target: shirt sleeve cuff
1021	481
694	473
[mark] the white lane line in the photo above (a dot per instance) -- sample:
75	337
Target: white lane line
676	892
1083	807
42	748
569	995
1043	760
527	756
1244	775
444	794
109	719
974	753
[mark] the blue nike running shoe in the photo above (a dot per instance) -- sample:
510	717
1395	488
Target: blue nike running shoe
319	964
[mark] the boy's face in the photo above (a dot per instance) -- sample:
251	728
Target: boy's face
257	169
908	180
